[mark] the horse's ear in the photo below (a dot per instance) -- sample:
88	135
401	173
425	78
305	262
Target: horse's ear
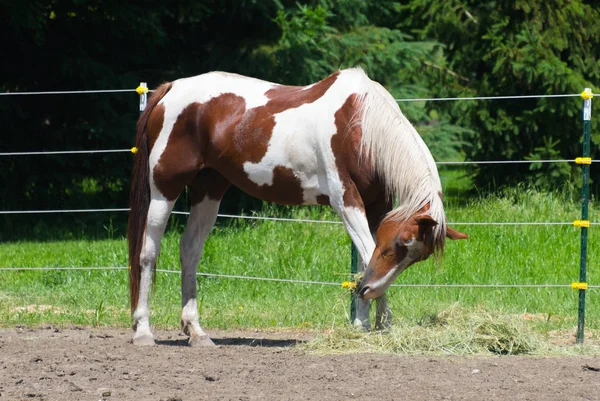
453	234
425	223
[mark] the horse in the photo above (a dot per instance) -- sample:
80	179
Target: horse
342	141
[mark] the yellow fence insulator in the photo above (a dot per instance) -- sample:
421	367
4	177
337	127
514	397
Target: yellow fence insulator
587	94
582	223
141	90
583	160
579	286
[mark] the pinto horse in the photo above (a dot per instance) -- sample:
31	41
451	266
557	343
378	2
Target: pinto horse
342	141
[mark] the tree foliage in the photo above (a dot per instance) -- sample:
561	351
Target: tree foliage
517	47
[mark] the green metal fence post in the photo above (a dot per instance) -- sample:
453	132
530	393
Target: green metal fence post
585	194
354	271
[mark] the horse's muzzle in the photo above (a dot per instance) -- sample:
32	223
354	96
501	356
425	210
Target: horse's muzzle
363	289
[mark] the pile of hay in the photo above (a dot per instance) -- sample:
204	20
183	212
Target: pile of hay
453	331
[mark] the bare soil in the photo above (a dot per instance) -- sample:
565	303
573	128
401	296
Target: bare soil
102	364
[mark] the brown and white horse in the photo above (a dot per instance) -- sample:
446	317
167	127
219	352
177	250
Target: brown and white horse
342	142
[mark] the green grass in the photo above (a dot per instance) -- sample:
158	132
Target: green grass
318	252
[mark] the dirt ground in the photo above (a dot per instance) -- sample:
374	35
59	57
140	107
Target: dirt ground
101	364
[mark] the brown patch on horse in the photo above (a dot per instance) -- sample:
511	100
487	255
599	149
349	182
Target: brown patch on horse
286	187
283	97
251	136
377	210
188	145
323	200
208	183
180	161
155	124
362	187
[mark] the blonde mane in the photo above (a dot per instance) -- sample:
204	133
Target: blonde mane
399	155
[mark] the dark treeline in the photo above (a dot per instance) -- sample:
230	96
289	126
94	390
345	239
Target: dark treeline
416	48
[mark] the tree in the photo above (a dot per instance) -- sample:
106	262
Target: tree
515	48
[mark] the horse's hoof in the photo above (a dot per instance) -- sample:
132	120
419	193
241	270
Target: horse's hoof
200	341
144	339
383	328
361	326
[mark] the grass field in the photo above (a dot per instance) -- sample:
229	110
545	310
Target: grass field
318	252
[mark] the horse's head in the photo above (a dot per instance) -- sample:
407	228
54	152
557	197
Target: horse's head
399	245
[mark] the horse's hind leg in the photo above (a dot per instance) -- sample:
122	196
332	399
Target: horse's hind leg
206	193
158	216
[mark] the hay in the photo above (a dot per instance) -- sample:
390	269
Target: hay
454	331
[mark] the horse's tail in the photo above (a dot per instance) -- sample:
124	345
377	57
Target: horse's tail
139	196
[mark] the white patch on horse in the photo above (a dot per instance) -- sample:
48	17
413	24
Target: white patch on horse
357	226
301	142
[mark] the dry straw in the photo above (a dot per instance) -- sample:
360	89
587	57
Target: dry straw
454	331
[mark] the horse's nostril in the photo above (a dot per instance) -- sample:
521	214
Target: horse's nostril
364	290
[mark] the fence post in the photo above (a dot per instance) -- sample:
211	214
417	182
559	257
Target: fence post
585	191
354	271
142	90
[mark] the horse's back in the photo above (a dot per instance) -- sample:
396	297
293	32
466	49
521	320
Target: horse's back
273	141
202	88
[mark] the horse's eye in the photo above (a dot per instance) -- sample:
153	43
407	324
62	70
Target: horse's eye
387	253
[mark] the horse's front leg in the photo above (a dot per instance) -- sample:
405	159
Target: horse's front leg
363	306
350	207
383	314
376	211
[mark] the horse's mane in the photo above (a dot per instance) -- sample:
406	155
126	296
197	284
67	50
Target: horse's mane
400	157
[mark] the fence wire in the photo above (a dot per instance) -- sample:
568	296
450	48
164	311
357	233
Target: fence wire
285	219
448	163
289	219
435	99
73	92
431	99
294	281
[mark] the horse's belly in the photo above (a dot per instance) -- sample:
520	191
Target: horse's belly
284	184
